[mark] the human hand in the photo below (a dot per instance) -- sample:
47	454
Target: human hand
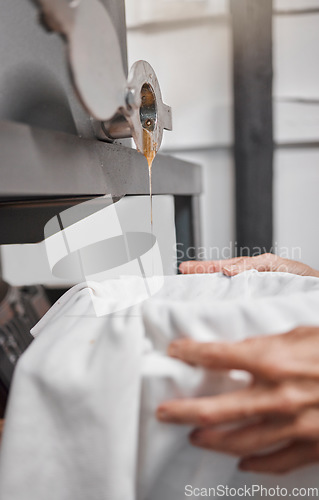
280	408
263	263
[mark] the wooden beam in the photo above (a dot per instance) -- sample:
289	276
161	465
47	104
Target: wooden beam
252	46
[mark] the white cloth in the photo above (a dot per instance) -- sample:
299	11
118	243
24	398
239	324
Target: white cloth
81	423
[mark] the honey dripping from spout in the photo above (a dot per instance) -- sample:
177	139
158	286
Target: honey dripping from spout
149	150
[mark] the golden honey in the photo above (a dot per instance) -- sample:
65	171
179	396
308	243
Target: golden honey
149	151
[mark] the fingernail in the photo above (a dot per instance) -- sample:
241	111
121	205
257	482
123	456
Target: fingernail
196	436
162	414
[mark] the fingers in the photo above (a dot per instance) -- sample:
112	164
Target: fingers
245	440
241	266
205	266
291	457
232	267
208	354
270	357
262	263
200	412
254	438
218	355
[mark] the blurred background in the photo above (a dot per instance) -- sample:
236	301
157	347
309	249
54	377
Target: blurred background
190	44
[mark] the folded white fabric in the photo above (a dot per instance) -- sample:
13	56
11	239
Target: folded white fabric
81	419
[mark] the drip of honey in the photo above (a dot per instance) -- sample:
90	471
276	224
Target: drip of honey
149	151
148	122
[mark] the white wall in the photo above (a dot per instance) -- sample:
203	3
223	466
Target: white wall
296	97
142	13
295	5
296	203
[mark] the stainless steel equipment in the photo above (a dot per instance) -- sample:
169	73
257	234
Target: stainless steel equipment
50	157
125	107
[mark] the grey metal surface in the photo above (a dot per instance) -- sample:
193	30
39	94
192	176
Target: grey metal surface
132	108
35	86
43	172
116	10
93	53
36	163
